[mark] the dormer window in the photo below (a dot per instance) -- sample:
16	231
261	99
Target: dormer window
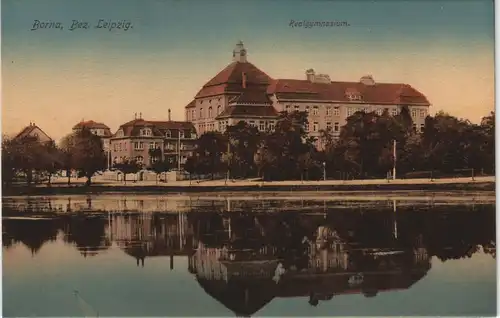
181	134
119	133
353	96
146	132
168	134
193	135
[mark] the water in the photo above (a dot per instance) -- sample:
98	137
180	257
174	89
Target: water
266	255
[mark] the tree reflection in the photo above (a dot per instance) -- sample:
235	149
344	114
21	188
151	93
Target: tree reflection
33	233
87	234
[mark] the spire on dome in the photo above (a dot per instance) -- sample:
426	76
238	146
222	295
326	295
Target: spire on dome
240	53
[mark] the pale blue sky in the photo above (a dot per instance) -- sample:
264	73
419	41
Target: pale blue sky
440	47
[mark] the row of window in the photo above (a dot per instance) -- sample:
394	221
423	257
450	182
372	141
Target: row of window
201	113
139	145
316	127
335	111
148	132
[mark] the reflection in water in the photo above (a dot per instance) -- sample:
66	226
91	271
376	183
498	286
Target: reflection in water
245	259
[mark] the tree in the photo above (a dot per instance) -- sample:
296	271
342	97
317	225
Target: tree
126	167
159	167
87	154
244	142
209	150
284	146
66	147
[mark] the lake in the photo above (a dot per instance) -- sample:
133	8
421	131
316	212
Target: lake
276	254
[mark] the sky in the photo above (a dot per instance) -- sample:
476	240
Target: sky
57	77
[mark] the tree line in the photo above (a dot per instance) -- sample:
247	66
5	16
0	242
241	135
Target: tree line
363	148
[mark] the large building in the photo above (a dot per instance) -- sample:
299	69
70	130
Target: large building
134	140
241	91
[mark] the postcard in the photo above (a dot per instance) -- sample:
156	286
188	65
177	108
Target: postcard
168	158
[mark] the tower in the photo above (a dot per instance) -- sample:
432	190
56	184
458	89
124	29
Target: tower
240	53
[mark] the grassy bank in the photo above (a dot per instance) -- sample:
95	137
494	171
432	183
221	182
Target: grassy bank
267	187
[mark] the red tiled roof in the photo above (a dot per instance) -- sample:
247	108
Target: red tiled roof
133	127
380	93
230	79
249	111
27	130
90	124
191	104
259	97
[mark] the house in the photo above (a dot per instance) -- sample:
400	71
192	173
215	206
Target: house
174	140
33	131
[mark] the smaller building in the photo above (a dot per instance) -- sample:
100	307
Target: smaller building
33	131
136	139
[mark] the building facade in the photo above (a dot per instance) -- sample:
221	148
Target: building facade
174	140
243	92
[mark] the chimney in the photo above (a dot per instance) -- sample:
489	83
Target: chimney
140	115
244	80
135	115
310	75
169	112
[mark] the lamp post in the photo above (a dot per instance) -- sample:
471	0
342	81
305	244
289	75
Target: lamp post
324	171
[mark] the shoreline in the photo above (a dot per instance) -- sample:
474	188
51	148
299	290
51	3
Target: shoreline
486	186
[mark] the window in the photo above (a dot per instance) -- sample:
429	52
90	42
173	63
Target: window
193	135
154	159
336	127
422	127
145	132
315	126
423	113
394	111
181	133
379	111
413	113
414	127
138	145
219	109
350	111
210	111
287	108
168	134
328	111
193	115
296	108
119	133
271	125
336	111
139	159
306	127
220	126
252	123
182	146
307	109
151	145
315	110
201	113
120	146
328	126
262	125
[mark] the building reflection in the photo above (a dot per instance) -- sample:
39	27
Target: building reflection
246	258
295	257
143	235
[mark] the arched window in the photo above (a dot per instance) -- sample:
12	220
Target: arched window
219	110
210	112
168	134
